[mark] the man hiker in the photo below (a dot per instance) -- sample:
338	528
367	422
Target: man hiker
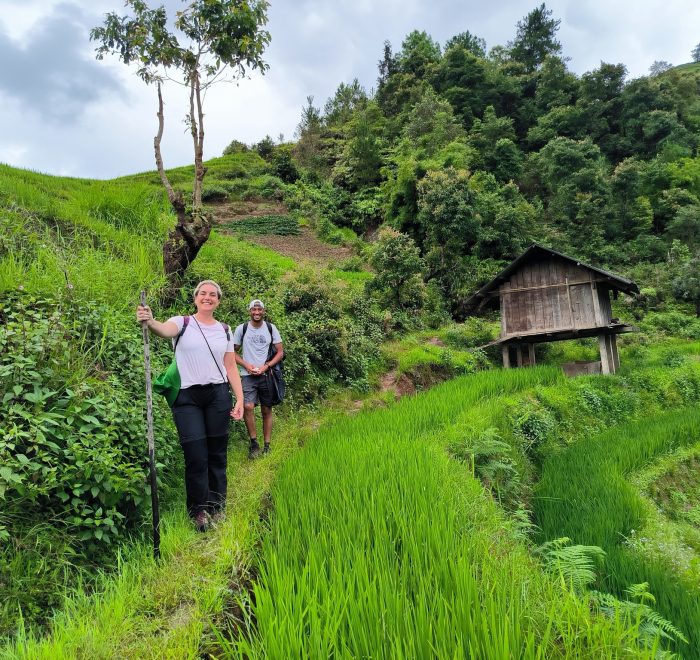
255	337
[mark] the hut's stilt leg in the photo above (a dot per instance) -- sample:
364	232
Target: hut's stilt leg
604	354
531	354
519	354
613	351
505	351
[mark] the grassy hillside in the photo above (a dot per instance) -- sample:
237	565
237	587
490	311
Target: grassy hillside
398	485
74	255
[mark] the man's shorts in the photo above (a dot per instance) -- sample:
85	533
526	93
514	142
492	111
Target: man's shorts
256	390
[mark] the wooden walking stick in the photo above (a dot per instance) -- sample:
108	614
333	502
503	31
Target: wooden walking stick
151	442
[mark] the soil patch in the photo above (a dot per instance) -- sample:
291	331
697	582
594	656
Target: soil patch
401	384
305	246
224	212
422	377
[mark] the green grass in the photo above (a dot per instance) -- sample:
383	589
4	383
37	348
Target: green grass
280	225
417	356
689	67
671	529
584	494
148	609
102	240
358	279
379	544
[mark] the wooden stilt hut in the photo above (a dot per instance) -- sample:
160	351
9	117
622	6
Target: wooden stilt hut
546	296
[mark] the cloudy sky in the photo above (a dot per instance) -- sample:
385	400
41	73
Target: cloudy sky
63	112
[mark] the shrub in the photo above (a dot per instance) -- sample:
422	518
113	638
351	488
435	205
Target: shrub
214	193
351	265
534	425
72	444
283	165
474	332
399	268
331	335
236	147
673	323
265	186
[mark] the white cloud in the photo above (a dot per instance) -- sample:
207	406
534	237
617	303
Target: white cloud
316	45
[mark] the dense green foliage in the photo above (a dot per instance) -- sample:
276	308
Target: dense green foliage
476	155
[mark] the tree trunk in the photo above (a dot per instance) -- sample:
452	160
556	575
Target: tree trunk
182	246
193	226
175	196
197	139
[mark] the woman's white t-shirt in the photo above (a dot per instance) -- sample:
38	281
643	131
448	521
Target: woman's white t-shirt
194	361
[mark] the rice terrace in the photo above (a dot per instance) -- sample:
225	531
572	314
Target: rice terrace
472	425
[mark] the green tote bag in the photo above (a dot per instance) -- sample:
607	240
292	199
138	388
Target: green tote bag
168	383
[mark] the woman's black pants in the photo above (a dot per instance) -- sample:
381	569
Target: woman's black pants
202	415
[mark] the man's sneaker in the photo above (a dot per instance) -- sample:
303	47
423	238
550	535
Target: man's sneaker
254	450
201	521
218	516
266	448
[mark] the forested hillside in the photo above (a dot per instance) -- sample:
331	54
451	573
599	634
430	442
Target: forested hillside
475	155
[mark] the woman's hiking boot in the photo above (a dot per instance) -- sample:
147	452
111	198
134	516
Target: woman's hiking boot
201	521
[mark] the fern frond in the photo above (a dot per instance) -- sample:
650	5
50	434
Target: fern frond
641	592
575	564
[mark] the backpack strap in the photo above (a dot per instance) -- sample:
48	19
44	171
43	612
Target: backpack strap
185	322
226	330
245	329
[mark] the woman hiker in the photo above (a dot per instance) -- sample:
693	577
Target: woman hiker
206	361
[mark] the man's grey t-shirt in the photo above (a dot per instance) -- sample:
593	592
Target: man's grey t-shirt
256	343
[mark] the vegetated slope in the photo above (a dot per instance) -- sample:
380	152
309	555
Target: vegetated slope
379	543
583	494
74	255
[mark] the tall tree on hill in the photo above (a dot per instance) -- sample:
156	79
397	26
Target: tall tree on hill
339	109
535	38
208	41
695	53
308	133
470	42
601	97
387	65
418	51
462	78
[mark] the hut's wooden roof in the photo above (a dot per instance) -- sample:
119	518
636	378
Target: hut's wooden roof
536	251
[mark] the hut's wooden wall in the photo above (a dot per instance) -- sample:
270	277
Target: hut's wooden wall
553	295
